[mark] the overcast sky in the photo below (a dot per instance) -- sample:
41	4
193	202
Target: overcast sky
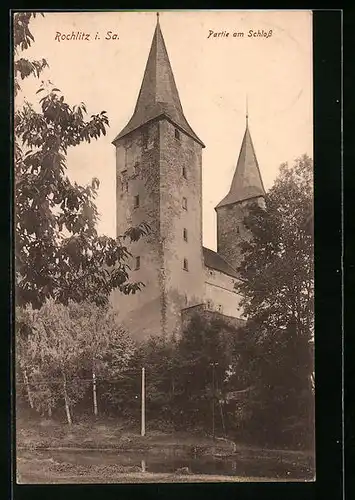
213	76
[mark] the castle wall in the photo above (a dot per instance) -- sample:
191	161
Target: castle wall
202	311
150	164
182	288
220	294
137	173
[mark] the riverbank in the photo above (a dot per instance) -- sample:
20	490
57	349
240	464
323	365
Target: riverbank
36	468
109	452
112	435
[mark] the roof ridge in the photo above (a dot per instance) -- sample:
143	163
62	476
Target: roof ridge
214	265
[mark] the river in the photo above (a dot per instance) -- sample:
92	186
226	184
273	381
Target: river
270	468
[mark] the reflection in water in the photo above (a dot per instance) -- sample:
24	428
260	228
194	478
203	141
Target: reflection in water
257	466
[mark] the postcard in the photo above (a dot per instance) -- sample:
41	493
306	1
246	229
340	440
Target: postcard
163	176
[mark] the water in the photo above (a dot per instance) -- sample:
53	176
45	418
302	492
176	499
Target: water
266	467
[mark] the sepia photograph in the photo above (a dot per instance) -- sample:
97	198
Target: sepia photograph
164	250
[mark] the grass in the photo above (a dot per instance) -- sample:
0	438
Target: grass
36	465
114	435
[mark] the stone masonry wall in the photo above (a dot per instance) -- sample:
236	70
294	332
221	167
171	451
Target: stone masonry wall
137	173
231	230
150	164
182	288
204	313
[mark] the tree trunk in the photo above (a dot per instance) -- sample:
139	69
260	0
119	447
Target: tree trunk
94	393
49	410
66	400
27	384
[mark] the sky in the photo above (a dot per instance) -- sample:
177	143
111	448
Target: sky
214	75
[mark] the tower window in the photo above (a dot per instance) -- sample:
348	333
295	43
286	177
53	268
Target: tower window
220	309
136	201
177	134
184	203
136	168
184	172
185	234
145	139
209	304
186	265
138	263
124	180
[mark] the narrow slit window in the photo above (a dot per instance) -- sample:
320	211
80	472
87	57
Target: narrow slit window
136	201
185	234
184	172
124	180
138	263
177	134
186	265
145	139
184	203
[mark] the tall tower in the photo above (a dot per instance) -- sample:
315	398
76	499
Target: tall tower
158	172
246	188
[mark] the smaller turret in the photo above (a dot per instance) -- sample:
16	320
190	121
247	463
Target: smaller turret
246	188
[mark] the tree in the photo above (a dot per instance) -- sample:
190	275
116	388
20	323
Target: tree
107	348
22	359
277	291
52	354
59	347
59	253
203	360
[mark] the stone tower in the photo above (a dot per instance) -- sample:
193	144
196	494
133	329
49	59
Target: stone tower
246	188
158	172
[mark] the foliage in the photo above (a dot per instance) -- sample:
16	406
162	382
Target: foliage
277	271
277	290
22	40
186	378
50	354
59	253
204	360
68	342
105	345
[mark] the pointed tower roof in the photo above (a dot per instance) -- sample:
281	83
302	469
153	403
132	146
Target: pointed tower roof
247	182
158	94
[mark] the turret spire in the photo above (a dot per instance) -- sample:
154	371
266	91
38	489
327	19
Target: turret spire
247	182
158	95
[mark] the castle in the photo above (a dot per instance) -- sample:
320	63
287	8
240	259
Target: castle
159	181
